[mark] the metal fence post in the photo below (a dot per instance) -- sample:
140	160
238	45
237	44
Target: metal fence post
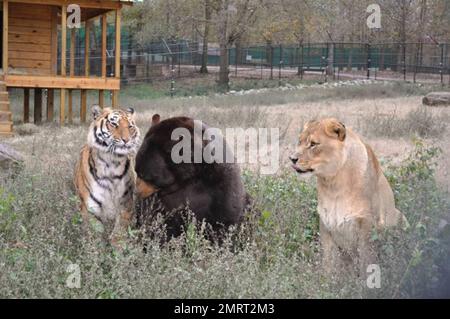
279	65
404	61
261	62
301	63
442	64
368	61
172	84
179	59
235	61
229	60
271	62
147	71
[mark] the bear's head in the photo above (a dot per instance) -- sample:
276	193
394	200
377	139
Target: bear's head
156	168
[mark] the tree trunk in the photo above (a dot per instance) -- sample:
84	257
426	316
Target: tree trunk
224	70
224	79
330	66
269	59
204	67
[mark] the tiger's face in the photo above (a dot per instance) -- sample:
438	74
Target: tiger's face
114	131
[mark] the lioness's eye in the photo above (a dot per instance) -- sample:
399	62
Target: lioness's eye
313	144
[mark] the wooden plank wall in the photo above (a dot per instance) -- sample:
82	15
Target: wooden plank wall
30	39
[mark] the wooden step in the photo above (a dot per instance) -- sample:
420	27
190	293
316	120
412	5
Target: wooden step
5	116
6	127
4	106
4	96
5	134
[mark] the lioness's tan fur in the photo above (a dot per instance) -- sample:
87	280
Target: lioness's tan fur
354	196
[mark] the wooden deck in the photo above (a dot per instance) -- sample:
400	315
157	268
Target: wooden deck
62	82
30	49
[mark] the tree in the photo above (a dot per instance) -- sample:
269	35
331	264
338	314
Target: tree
207	6
234	17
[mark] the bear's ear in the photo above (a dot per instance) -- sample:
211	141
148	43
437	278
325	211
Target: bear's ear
96	110
334	128
156	119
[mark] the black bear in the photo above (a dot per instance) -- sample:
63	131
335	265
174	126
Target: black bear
211	190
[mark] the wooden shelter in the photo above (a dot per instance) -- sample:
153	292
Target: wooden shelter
36	55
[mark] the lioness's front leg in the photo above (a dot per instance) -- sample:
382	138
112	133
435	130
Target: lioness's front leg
366	254
330	251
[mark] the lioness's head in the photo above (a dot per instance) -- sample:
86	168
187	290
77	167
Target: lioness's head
320	148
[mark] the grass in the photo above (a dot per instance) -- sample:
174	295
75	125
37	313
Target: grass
418	121
275	256
41	236
202	85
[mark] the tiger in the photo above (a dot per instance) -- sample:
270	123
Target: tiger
104	177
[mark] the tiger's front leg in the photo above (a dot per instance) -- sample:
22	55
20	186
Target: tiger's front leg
120	229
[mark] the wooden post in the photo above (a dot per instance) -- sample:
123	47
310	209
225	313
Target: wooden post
50	104
72	52
71	73
83	106
54	41
101	98
115	99
5	37
63	62
86	48
115	93
117	54
104	45
101	95
26	105
63	39
70	106
62	106
37	106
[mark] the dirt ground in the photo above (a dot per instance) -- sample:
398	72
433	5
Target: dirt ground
289	118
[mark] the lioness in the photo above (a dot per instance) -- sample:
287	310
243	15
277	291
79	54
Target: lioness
354	195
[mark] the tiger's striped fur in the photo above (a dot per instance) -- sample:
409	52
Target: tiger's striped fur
104	176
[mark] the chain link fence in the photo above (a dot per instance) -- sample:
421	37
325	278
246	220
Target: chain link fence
163	60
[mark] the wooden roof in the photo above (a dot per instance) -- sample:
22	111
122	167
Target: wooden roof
99	4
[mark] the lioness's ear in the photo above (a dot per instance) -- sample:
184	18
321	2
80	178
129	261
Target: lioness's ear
307	124
96	110
334	128
156	119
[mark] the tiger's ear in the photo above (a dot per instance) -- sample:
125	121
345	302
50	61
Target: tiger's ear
96	110
334	128
131	112
155	119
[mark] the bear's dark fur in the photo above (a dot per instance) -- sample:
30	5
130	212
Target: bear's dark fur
213	192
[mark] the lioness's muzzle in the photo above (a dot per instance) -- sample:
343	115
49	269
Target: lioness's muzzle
144	189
